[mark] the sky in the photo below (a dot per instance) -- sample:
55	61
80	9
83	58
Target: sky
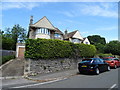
90	18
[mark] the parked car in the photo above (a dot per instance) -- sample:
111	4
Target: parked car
94	65
113	62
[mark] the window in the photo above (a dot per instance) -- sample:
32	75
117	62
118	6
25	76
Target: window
76	40
43	30
57	35
86	42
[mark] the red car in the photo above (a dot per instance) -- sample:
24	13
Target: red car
113	62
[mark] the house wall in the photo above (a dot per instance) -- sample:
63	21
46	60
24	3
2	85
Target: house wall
45	36
31	34
86	41
78	35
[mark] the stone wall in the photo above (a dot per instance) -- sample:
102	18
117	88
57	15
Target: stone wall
47	66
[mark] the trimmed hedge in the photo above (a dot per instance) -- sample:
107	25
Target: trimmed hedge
85	50
47	48
7	58
51	48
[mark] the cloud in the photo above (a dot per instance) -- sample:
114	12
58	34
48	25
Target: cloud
102	9
108	28
26	5
68	13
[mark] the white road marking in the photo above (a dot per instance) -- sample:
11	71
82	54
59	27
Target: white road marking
39	83
112	86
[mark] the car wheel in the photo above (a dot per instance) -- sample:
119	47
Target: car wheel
97	71
108	68
115	66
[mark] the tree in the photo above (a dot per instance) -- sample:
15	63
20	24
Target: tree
98	41
113	47
100	47
95	39
13	36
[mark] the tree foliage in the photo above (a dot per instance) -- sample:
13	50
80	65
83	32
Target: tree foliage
95	39
113	47
11	36
98	41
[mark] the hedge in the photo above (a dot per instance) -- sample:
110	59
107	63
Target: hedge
85	50
51	48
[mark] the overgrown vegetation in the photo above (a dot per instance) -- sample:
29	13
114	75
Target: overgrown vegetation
6	58
49	48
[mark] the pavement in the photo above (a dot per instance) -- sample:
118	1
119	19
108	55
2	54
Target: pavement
13	81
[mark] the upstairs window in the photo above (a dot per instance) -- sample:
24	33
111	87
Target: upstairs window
57	35
43	31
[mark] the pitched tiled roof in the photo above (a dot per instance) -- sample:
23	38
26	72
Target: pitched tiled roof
44	23
71	34
58	31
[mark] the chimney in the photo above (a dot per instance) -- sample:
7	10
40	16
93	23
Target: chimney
31	20
65	32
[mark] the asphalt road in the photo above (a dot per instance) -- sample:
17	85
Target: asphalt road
107	79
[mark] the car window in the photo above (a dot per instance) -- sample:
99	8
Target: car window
107	59
86	61
116	59
101	60
96	61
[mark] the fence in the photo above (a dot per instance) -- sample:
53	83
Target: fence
7	52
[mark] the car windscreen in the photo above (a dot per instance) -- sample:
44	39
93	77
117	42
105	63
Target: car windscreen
86	61
107	59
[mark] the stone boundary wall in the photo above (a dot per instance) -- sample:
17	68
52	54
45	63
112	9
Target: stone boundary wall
34	67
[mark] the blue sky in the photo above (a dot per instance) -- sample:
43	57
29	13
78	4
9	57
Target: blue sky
90	18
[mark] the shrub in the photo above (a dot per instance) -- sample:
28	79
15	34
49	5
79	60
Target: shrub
7	58
47	48
51	48
85	50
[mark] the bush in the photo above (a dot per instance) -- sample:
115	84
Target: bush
7	58
51	48
47	48
85	50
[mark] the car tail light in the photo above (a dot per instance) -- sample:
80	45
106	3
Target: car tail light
112	61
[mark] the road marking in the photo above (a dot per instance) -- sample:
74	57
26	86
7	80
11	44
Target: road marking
39	83
112	86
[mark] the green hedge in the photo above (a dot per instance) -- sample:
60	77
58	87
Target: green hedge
51	48
47	48
85	50
7	58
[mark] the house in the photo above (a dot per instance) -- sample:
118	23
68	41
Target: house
58	34
74	36
86	41
44	29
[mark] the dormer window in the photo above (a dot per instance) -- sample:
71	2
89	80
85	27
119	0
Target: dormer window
43	31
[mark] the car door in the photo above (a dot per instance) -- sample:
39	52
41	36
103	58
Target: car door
116	62
102	65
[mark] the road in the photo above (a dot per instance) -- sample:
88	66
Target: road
104	80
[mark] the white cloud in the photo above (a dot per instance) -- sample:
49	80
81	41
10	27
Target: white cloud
11	5
108	28
67	13
103	9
